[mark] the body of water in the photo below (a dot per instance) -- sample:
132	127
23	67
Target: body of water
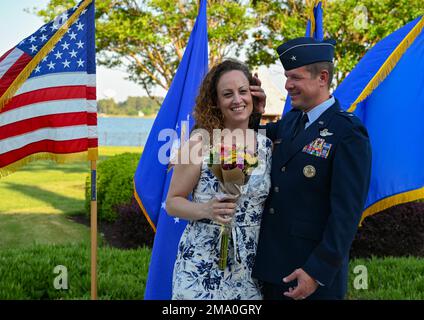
123	131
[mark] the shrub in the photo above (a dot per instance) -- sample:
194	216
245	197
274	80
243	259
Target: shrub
133	227
28	273
114	184
397	231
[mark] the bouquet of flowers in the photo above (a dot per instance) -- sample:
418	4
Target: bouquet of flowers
232	165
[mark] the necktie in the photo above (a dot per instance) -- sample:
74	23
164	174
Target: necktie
301	124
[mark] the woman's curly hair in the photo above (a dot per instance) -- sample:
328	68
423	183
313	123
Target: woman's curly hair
206	112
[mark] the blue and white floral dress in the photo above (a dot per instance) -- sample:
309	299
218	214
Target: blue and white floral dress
196	273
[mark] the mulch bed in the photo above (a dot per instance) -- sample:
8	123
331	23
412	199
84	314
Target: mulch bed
130	230
110	230
397	231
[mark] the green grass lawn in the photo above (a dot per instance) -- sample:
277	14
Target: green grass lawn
37	200
36	235
27	273
389	279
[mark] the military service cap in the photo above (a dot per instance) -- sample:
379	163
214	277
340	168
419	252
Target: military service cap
303	51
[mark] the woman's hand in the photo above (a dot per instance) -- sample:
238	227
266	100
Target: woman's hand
220	211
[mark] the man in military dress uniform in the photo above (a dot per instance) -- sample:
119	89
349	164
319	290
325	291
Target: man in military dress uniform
320	177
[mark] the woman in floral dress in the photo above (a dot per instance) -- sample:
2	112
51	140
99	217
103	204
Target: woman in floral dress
225	101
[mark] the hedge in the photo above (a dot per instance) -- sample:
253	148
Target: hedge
28	273
114	184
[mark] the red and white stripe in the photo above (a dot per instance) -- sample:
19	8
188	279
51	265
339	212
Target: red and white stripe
11	65
54	113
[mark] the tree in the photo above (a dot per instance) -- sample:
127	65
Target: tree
107	106
130	107
148	37
356	25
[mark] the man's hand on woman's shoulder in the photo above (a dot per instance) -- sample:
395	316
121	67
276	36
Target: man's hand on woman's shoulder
259	94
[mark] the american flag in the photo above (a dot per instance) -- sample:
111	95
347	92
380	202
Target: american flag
53	114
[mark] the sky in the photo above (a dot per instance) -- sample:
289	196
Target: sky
16	24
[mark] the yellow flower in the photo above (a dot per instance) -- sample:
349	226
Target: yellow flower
251	160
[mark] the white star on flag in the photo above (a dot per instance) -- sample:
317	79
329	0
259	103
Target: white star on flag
51	65
73	36
176	220
163	205
66	64
73	53
293	58
58	55
43	37
80	26
64	16
33	48
80	63
65	45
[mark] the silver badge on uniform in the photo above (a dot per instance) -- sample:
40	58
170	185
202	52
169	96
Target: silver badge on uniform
309	171
325	133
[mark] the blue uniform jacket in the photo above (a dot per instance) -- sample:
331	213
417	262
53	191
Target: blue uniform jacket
316	201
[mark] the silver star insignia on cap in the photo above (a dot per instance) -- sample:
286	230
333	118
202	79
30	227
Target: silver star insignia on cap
293	58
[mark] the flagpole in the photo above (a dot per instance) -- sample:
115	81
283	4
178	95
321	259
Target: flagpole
93	229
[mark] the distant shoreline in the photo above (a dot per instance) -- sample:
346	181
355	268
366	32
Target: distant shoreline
102	115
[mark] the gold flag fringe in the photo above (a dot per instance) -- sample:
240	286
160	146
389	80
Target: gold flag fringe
393	201
389	64
26	72
313	4
312	19
58	158
143	209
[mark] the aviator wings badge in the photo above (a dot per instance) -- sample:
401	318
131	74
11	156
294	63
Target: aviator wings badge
325	133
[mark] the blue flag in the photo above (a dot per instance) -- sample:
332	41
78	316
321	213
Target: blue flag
386	91
314	29
152	177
